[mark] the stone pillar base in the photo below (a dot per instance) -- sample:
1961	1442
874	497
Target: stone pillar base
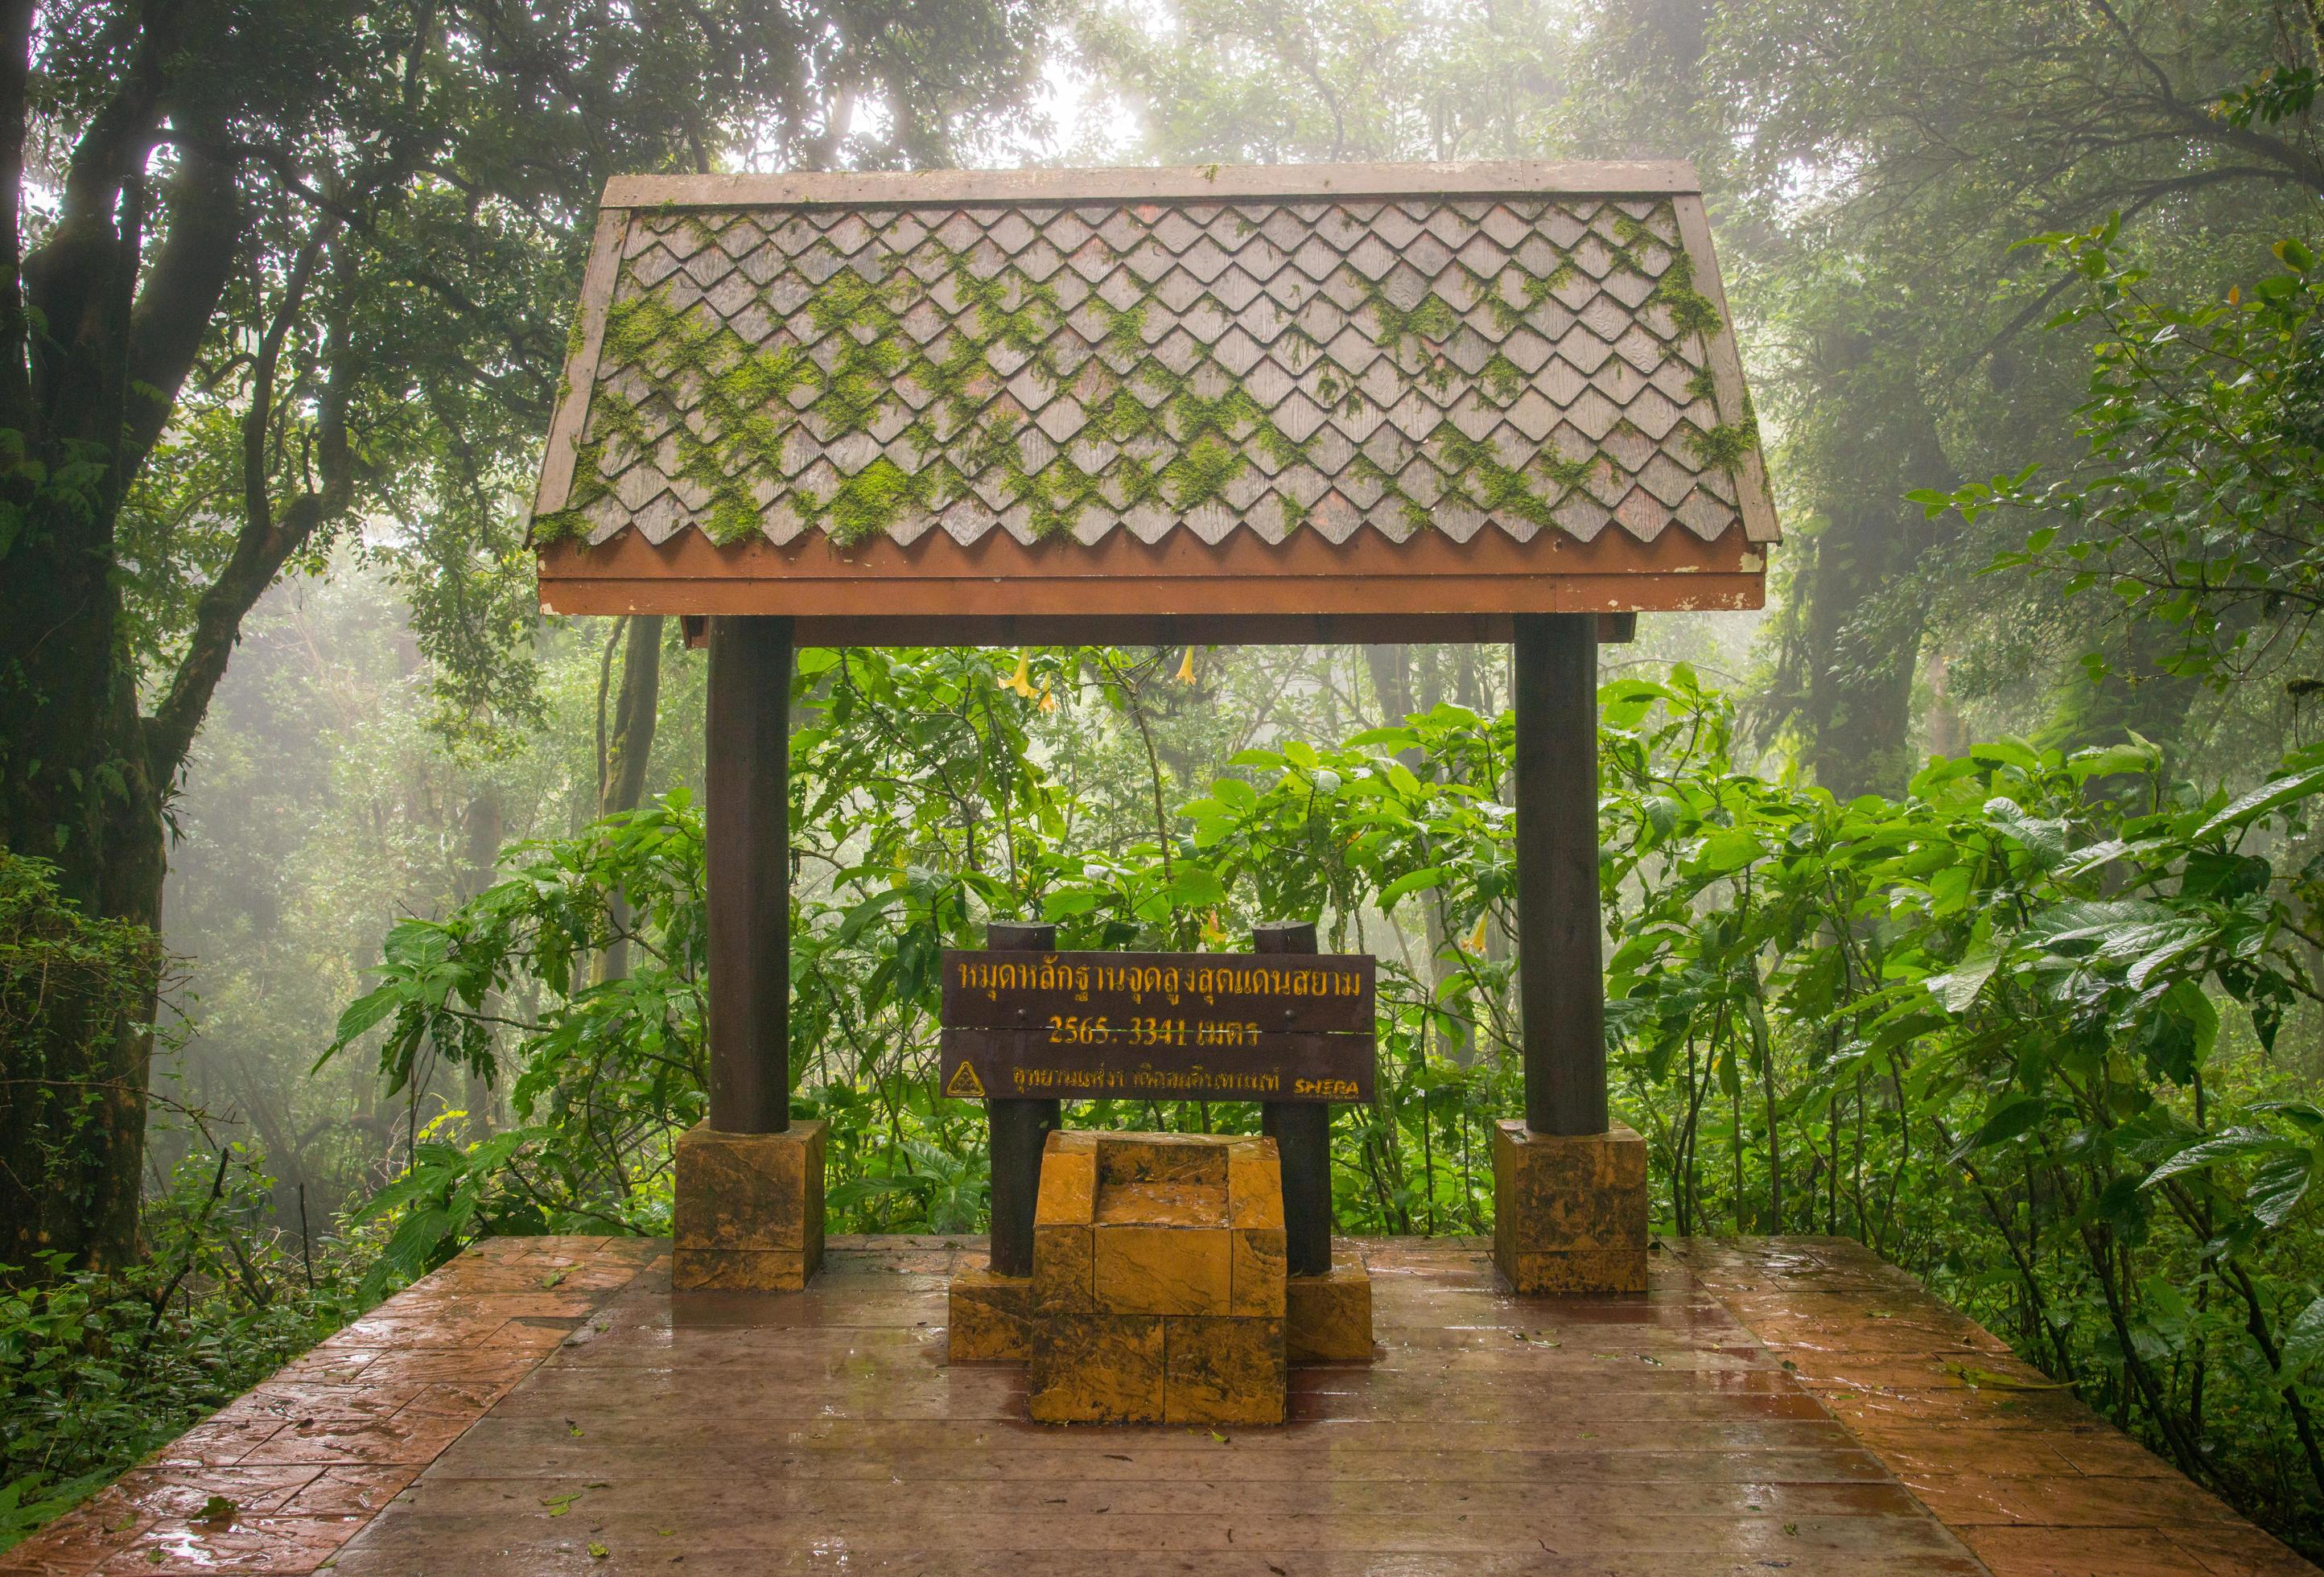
1569	1214
990	1317
748	1215
1328	1318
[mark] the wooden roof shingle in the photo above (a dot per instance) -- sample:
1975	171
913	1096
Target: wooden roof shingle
1512	348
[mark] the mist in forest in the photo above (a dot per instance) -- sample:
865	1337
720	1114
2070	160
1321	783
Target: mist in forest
1965	901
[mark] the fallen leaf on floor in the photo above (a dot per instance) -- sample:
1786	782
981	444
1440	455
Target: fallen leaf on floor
1217	1436
218	1508
598	1552
1974	1377
552	1278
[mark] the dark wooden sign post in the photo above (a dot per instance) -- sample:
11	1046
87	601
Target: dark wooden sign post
1026	1027
1462	402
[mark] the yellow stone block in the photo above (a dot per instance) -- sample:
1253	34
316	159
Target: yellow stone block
1157	1282
1161	1158
1068	1191
738	1270
1162	1204
1585	1271
1222	1371
990	1317
1254	1185
1097	1369
1163	1270
1328	1318
1065	1265
1570	1212
747	1211
1257	1273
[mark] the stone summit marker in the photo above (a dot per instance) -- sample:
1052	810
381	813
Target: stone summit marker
1156	1026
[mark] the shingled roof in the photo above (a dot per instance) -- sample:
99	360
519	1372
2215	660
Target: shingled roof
1394	350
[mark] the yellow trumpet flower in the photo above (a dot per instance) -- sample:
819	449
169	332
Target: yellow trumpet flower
1186	668
1022	682
1477	936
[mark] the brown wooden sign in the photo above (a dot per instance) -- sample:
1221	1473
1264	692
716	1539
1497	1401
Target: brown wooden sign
1157	1026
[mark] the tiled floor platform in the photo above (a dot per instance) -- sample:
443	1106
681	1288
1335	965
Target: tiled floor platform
544	1405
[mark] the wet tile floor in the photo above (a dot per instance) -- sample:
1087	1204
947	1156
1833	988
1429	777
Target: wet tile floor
544	1405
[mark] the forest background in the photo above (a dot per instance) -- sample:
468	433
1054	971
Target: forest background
1963	902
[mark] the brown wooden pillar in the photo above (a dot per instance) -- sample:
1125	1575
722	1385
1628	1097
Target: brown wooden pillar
1302	1132
1560	983
746	810
1016	1131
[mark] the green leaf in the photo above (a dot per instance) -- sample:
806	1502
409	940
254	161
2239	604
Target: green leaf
1403	886
2234	1144
1959	989
366	1010
1196	887
2249	807
2302	1345
2014	1117
1728	850
865	913
2279	1185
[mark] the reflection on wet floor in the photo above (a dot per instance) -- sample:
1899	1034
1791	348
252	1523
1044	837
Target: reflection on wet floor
547	1404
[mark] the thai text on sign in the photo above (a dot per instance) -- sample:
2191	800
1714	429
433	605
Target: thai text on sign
1194	1025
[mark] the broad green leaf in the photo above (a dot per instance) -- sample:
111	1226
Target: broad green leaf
2279	1185
2249	807
1729	850
2013	1117
2234	1144
2302	1345
1959	988
1196	887
1417	881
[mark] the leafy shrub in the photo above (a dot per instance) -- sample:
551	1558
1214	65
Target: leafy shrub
98	1368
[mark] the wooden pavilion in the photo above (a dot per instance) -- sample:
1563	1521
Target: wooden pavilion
1429	402
1382	402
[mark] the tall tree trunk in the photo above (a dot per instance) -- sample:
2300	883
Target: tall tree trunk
483	826
630	733
628	743
76	791
1871	439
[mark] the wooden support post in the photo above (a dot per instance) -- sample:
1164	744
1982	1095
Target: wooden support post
1560	986
1016	1131
1302	1132
746	810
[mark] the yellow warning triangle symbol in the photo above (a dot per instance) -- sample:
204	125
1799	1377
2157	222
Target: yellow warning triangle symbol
963	1084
